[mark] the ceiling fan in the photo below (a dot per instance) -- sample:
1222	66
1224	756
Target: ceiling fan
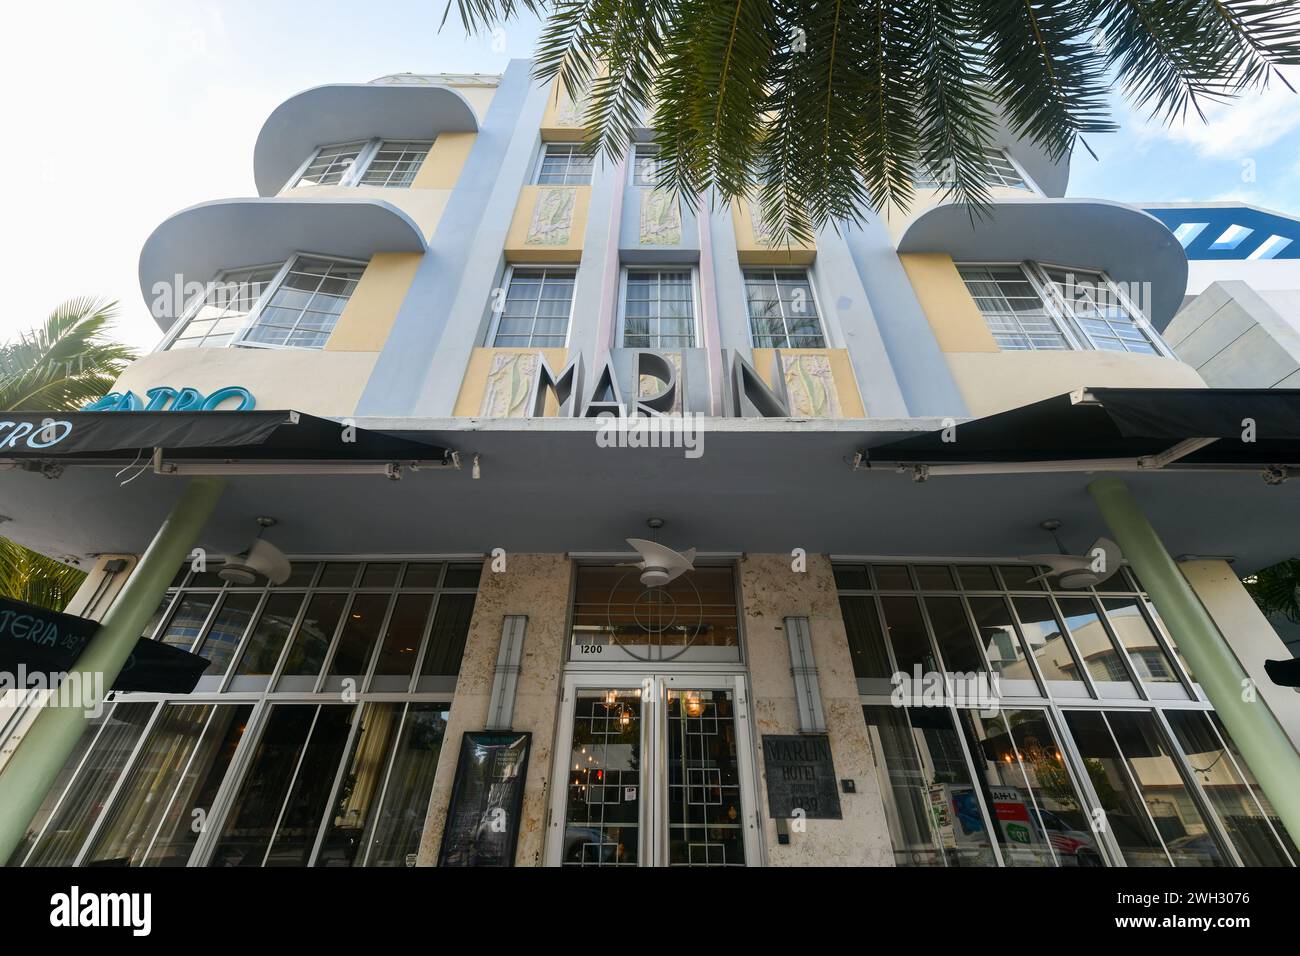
261	558
1102	559
659	564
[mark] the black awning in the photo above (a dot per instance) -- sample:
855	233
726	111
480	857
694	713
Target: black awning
1111	423
251	435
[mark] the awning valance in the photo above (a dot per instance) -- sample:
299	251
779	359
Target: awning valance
222	435
1248	427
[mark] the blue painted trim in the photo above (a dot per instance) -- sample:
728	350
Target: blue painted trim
1215	220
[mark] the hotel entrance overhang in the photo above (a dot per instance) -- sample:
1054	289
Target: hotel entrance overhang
856	481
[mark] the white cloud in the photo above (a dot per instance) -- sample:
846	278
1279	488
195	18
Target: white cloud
1237	128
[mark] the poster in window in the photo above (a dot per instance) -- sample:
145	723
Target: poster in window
487	798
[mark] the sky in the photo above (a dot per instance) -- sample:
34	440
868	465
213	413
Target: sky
118	114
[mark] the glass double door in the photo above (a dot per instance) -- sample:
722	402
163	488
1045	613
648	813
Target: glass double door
653	770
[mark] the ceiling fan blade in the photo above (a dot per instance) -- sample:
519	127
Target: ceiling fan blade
657	555
1111	557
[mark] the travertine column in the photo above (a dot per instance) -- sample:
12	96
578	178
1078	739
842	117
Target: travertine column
771	591
536	585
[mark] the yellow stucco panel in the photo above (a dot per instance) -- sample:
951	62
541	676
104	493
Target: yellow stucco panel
754	243
562	121
993	382
549	224
370	313
497	382
441	168
819	382
953	316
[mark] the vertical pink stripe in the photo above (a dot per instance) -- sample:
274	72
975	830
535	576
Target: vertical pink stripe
712	332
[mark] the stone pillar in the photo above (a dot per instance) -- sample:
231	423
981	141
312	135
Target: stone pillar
536	585
49	741
771	591
1266	747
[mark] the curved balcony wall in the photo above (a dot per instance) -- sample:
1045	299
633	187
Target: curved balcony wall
1133	248
196	244
342	113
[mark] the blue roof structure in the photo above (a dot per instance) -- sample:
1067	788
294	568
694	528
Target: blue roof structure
1231	231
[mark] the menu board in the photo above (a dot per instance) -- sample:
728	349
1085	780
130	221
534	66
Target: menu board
487	798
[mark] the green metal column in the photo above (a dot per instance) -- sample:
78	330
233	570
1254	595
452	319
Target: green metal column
1263	742
50	739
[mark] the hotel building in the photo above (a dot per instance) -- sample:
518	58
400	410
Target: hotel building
412	349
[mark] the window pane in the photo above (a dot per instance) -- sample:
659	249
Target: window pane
404	633
1060	812
1227	791
1099	654
395	834
866	642
1250	780
367	765
303	310
70	825
268	637
1125	813
659	310
1185	833
227	629
140	804
1006	656
952	632
907	634
315	634
187	620
1052	652
537	304
250	824
360	631
295	837
446	641
1149	659
931	805
782	309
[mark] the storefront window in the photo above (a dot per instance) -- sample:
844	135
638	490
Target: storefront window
287	773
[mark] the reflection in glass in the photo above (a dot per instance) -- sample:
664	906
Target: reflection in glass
1176	816
1227	791
1150	661
312	642
394	832
187	620
360	786
1006	655
1052	652
270	633
602	819
1125	812
140	804
1255	788
931	805
1100	655
227	629
70	824
1039	817
705	817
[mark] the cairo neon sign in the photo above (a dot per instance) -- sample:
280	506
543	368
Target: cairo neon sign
164	398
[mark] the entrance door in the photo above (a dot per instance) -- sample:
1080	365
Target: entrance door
653	770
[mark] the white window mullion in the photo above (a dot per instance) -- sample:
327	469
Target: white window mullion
353	176
1074	333
256	311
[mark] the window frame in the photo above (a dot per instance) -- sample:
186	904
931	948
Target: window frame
1027	183
506	278
192	307
632	180
1076	337
240	338
808	275
696	330
541	159
352	178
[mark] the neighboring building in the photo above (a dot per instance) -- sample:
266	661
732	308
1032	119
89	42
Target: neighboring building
447	289
1240	323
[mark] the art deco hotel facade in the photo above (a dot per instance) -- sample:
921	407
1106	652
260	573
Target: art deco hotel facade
401	351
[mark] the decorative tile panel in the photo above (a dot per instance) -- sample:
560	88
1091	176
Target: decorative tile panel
661	218
552	217
810	385
509	379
